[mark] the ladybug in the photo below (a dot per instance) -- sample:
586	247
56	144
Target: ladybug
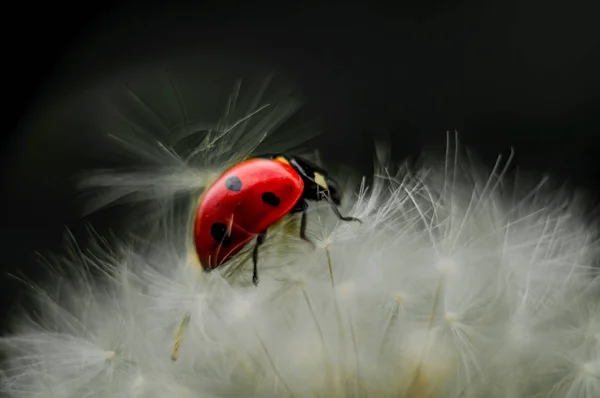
252	196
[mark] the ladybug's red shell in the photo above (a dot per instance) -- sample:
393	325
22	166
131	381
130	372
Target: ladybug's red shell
242	203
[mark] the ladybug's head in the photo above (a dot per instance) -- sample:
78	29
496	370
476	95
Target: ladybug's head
318	184
329	187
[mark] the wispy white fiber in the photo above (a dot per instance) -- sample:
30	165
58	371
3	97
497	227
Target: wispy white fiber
456	284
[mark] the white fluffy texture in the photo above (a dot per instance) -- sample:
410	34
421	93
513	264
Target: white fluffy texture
445	290
451	287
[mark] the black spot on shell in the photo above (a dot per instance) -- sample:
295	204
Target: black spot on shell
219	233
233	183
270	198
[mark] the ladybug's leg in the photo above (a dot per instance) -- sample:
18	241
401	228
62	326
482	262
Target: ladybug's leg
303	227
339	215
301	206
260	239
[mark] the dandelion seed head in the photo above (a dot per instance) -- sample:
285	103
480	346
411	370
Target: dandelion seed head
325	242
452	286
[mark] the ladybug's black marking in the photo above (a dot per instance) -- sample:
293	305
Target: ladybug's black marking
219	233
234	184
271	199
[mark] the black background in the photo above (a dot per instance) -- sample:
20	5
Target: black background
522	74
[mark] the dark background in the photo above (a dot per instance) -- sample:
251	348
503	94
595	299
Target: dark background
522	74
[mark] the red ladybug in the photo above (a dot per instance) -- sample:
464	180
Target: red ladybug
250	197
